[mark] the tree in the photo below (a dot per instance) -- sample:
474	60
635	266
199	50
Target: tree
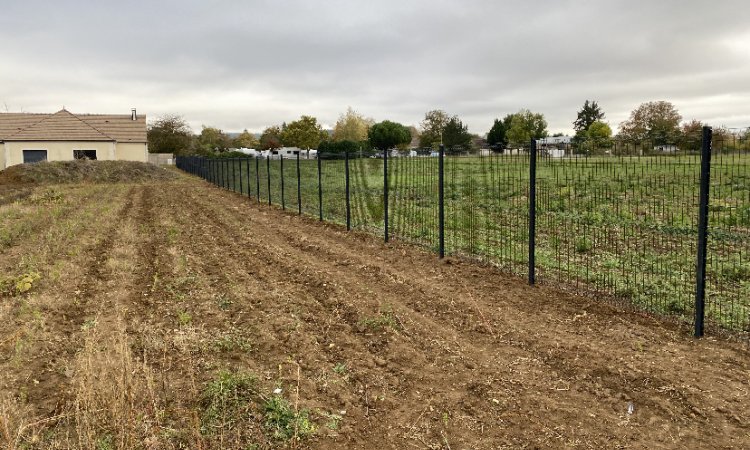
352	126
456	137
303	133
525	125
432	128
170	133
497	138
270	138
212	139
245	140
590	113
655	121
387	135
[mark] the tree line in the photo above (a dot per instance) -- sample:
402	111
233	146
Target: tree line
658	122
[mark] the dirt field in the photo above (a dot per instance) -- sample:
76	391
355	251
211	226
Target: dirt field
165	315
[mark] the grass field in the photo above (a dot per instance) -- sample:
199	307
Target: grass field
625	227
172	314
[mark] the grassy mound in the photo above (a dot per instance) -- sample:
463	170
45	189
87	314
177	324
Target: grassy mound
84	171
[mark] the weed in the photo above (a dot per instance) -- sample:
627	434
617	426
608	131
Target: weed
340	368
583	245
184	318
105	442
226	400
386	319
284	422
88	324
224	302
230	342
20	284
334	420
172	235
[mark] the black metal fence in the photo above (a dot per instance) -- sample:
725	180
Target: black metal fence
663	228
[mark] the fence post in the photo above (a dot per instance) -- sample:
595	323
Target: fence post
234	174
257	178
348	204
532	211
268	173
700	265
385	195
247	166
226	173
320	188
281	169
441	201
299	189
239	169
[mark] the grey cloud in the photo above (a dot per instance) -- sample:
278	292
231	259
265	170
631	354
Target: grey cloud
251	64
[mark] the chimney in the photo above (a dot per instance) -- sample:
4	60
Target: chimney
132	114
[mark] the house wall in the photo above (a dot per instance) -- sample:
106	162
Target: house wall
131	152
63	151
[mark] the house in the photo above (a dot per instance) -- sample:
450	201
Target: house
26	137
554	146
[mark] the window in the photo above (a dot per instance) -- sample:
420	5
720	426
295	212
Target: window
32	156
84	154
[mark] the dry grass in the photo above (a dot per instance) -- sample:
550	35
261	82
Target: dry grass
116	400
84	171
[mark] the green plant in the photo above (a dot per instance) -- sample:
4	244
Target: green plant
583	245
340	368
286	423
230	342
88	324
226	400
385	319
184	318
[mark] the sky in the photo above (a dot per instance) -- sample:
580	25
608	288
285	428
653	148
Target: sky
250	64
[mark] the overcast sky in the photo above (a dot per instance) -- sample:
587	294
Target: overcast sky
251	64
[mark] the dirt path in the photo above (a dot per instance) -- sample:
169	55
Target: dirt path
385	345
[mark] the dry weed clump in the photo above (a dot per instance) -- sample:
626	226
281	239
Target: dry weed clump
116	399
85	171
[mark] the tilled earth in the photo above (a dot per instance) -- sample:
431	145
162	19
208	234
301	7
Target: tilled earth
385	345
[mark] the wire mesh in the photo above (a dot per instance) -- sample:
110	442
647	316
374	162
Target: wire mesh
618	219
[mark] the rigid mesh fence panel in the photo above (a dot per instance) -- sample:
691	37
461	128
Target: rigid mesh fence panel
366	192
309	186
620	219
334	188
728	256
413	199
487	207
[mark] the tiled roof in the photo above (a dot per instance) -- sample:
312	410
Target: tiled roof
65	126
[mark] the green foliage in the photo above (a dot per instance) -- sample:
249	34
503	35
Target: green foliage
590	113
525	125
245	140
433	127
385	319
352	126
232	154
337	149
184	318
497	138
20	284
387	135
170	134
226	401
456	136
656	121
286	423
271	138
212	140
303	133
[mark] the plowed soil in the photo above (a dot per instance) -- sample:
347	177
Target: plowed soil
386	345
